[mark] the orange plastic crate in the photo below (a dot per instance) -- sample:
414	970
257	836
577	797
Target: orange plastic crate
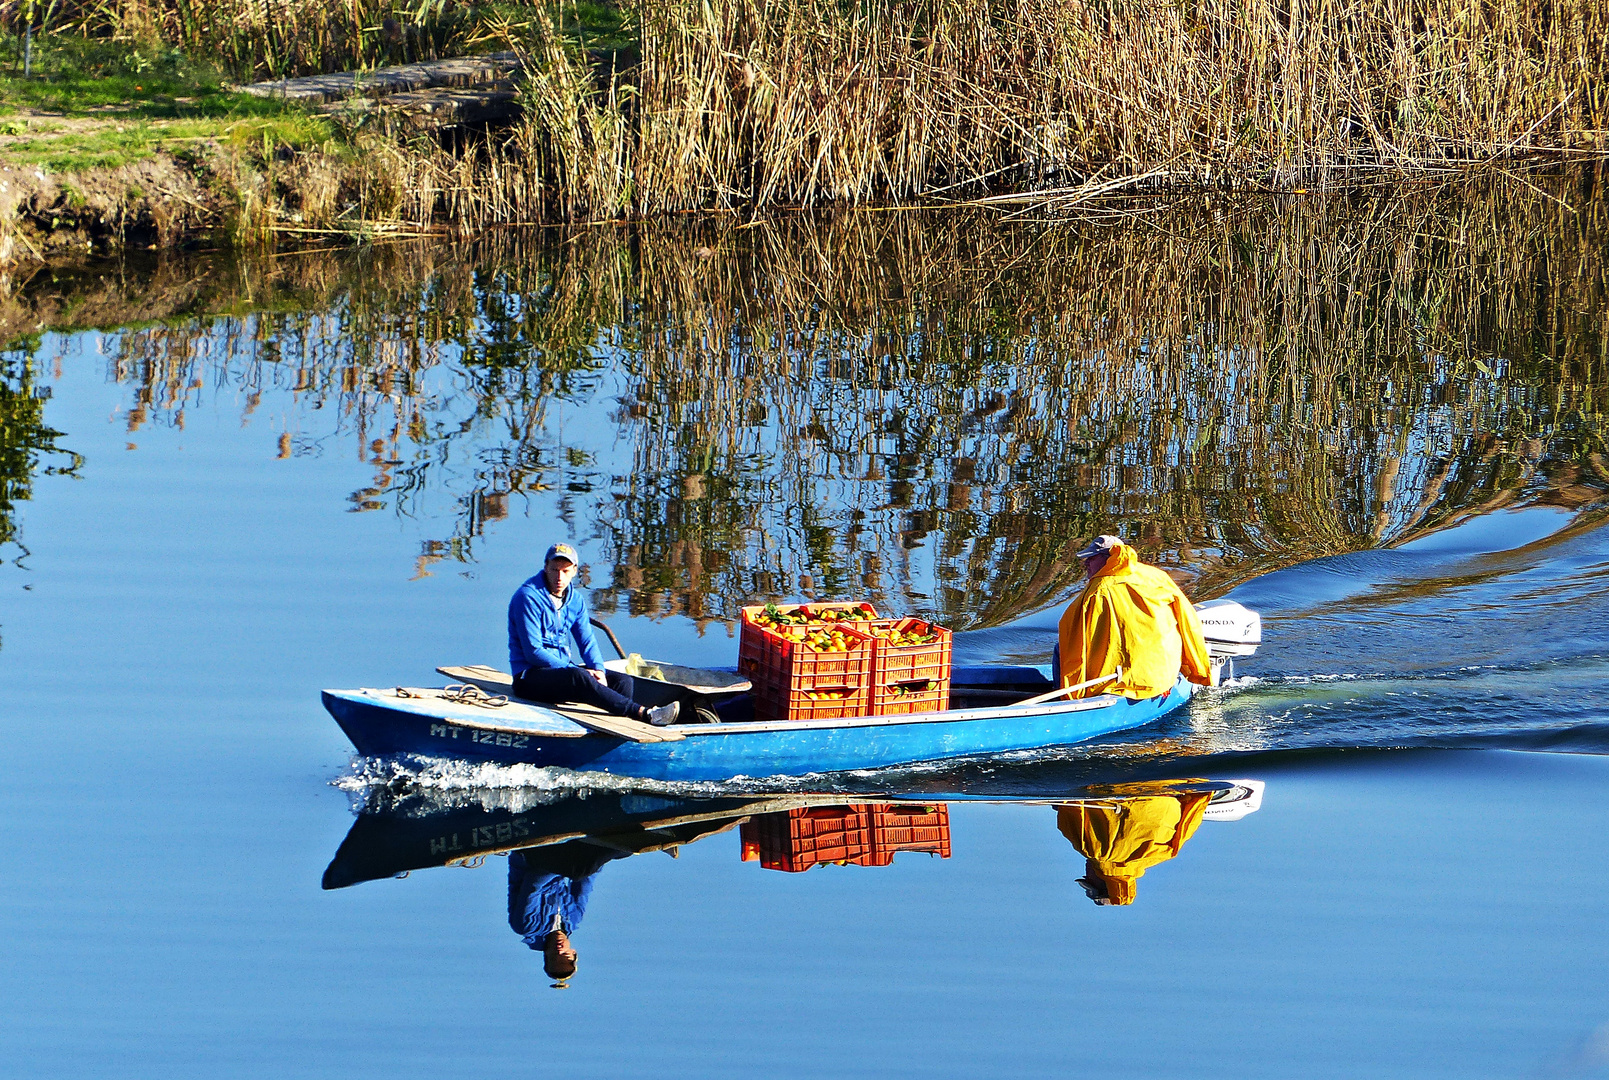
787	673
908	663
753	611
902	699
770	704
910	678
751	642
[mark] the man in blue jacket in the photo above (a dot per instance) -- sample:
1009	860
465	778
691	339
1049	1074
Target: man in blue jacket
544	617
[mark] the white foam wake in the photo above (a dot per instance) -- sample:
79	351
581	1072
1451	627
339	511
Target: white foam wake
412	782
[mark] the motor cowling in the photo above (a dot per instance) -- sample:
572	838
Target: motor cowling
1230	629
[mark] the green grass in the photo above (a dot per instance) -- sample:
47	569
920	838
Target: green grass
93	78
142	100
602	27
111	102
111	145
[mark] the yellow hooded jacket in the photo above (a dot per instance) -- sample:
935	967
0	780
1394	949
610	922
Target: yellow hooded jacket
1121	840
1132	616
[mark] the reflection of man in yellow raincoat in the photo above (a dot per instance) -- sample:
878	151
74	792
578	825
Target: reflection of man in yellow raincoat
1130	616
1123	837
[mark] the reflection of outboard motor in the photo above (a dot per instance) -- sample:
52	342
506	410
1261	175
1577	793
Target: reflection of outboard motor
1230	630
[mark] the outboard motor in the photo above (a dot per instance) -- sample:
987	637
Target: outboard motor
1230	630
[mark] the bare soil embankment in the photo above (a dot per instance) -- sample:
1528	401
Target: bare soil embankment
158	201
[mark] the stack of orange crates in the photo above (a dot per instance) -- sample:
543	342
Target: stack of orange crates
794	682
857	835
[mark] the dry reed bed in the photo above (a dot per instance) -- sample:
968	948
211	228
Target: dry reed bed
759	103
752	105
931	410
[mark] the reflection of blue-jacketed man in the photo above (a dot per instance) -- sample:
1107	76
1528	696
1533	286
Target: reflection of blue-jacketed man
547	897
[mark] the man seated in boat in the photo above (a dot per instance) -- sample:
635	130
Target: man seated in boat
1124	836
545	616
1130	616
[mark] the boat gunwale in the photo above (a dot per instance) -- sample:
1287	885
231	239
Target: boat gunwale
520	726
751	727
997	712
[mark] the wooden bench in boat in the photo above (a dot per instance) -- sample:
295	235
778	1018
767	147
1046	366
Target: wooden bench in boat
493	681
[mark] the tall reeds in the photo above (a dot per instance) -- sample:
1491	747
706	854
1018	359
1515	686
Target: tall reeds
761	103
755	104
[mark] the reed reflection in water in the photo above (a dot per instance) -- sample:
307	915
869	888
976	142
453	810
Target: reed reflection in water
929	411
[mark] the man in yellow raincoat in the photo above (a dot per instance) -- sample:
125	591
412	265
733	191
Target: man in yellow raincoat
1124	836
1130	616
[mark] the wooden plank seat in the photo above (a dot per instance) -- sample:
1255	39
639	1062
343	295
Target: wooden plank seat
493	681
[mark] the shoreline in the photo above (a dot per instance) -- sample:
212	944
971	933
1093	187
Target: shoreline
210	194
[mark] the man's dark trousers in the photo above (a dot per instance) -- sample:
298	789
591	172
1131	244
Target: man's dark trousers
555	685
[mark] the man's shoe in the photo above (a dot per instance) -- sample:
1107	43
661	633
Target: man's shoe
661	715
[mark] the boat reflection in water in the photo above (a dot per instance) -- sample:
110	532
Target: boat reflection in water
557	849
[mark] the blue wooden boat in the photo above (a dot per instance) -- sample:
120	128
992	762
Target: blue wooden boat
434	723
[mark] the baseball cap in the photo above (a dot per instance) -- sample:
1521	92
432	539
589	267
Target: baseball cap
1099	545
561	551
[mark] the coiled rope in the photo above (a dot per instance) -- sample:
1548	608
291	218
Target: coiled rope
469	694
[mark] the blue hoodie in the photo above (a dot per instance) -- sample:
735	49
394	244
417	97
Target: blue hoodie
539	634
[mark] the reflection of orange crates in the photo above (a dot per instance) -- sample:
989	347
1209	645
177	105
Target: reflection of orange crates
795	682
910	678
796	840
855	835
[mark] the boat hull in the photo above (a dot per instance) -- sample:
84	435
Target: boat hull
381	727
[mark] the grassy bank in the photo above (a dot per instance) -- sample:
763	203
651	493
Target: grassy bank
107	141
111	144
666	106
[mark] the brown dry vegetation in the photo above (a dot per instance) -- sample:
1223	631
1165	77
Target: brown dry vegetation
760	104
888	406
799	102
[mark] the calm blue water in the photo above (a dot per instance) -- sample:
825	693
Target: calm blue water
1423	891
